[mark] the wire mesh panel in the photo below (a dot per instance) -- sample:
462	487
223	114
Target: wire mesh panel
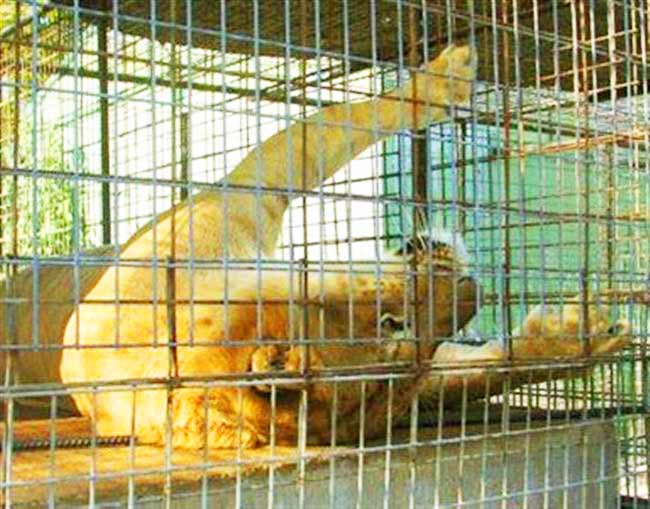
324	253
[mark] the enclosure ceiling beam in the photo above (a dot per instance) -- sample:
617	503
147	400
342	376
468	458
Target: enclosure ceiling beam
134	18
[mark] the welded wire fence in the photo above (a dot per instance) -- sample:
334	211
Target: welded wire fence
314	253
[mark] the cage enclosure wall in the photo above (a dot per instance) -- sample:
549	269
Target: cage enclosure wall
312	252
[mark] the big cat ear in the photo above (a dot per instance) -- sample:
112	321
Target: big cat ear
407	248
419	243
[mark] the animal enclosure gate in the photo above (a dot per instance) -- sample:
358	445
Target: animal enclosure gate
324	253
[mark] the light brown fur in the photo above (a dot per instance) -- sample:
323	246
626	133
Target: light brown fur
549	333
226	224
39	359
233	224
277	318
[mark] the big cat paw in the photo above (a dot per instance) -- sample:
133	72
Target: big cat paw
278	359
444	82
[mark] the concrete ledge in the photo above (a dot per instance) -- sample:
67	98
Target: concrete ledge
567	464
574	467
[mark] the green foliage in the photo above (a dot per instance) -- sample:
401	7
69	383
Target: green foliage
50	216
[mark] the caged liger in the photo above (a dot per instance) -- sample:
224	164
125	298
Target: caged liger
103	341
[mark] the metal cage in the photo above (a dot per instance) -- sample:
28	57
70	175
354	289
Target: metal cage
324	253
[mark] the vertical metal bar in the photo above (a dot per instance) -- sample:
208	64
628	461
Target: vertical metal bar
527	440
132	464
505	42
320	127
259	165
547	450
185	144
589	36
493	138
520	172
154	164
239	452
460	141
460	495
478	170
484	442
171	315
439	436
115	179
93	449
582	163
205	449
542	163
104	132
272	448
7	448
224	181
304	279
51	500
10	356
644	24
345	5
35	174
505	418
187	191
419	149
419	182
291	175
76	225
389	443
170	284
376	234
333	444
348	172
361	446
563	448
5	127
174	76
172	374
413	64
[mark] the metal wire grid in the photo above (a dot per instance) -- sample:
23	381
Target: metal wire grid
594	238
